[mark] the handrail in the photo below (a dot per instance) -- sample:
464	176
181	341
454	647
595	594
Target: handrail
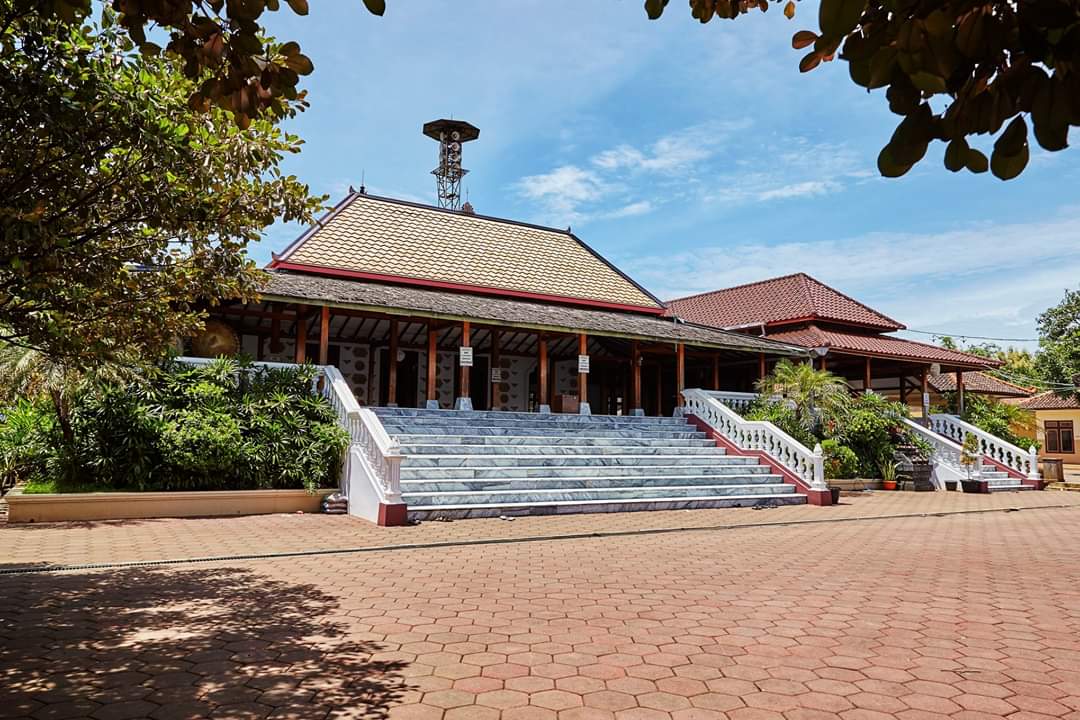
807	465
1021	462
381	453
737	401
947	453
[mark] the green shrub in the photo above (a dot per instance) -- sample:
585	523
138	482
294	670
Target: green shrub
1000	420
872	428
226	425
26	434
782	415
840	460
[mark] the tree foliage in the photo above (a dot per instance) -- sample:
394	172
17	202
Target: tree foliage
952	70
1059	343
123	211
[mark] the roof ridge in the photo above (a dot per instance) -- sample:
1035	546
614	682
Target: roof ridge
805	277
458	213
736	287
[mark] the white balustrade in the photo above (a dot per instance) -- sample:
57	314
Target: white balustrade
946	458
737	401
1023	462
808	465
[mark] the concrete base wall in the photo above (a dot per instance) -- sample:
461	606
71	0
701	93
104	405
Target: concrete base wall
24	508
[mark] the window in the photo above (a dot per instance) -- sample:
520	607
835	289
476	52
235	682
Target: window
1059	436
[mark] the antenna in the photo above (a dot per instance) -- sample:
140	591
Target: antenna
450	134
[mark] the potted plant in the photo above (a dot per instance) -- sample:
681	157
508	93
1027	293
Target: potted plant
888	474
969	458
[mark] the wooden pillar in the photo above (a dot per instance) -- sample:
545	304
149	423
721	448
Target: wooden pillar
761	366
542	371
324	336
868	380
960	392
465	371
716	371
496	387
635	363
432	361
925	400
903	389
300	351
583	378
391	383
680	372
824	364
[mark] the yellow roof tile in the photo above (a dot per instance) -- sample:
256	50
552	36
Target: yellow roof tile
379	236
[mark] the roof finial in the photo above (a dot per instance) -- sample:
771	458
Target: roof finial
363	187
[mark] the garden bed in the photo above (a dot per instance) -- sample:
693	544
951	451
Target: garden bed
61	507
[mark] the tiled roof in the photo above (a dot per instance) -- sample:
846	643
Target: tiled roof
379	297
371	236
1050	401
881	346
978	382
777	301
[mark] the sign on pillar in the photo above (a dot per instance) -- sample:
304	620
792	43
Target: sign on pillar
583	364
465	356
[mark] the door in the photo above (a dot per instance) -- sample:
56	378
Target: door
408	378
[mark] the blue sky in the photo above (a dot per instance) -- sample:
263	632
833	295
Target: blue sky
695	157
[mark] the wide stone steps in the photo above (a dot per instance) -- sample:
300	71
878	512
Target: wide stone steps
584	483
408	472
997	481
477	464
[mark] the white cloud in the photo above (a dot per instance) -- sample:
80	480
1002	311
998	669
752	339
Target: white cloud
801	189
563	190
985	279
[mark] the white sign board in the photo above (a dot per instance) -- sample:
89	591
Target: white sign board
465	356
496	375
583	364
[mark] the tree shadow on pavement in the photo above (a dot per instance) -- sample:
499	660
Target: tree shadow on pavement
181	643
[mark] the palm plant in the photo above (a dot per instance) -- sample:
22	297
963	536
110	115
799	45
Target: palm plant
815	396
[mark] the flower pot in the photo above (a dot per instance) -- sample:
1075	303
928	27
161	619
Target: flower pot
970	486
888	484
835	492
950	485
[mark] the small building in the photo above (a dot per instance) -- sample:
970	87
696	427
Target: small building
1057	418
421	306
844	336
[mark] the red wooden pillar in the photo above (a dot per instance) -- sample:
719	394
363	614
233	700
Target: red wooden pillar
300	351
432	362
716	371
960	392
680	373
391	383
635	363
542	371
324	335
761	366
496	387
868	380
925	377
583	378
465	371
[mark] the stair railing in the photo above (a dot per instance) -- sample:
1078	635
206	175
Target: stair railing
757	435
378	454
947	456
737	401
1024	463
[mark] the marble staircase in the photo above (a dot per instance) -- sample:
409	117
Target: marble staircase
461	464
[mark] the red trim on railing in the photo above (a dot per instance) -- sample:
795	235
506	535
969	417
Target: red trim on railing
463	287
814	497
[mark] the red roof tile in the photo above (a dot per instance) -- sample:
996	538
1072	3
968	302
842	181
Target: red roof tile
880	346
1050	400
778	301
980	383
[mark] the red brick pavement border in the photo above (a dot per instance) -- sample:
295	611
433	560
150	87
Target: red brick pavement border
967	617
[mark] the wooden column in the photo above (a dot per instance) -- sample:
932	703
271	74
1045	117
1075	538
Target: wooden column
868	380
583	378
324	335
761	366
432	361
961	400
542	371
925	399
680	372
635	363
300	351
903	389
391	383
494	365
824	364
465	371
716	372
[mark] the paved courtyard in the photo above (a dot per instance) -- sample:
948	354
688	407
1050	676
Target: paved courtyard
760	615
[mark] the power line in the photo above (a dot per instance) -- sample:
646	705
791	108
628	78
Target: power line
963	336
